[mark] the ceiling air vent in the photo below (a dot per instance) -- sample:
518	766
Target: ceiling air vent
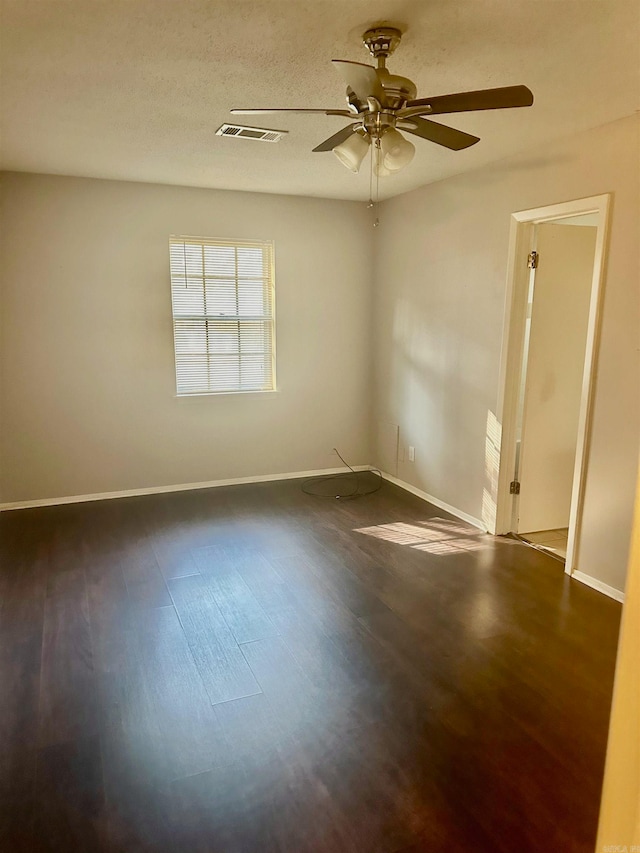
260	134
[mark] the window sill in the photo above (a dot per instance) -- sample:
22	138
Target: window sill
223	393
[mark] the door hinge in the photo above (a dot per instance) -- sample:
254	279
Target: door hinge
514	487
532	260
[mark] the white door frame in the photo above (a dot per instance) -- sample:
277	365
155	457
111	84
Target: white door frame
520	244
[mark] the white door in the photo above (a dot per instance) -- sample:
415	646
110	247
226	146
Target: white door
554	371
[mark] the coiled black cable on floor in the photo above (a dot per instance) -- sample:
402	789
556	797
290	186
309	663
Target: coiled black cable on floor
353	483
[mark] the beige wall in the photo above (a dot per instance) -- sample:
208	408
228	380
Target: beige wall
87	363
441	260
87	348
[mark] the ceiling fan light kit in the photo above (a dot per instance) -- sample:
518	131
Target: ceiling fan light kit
382	104
397	152
379	170
353	150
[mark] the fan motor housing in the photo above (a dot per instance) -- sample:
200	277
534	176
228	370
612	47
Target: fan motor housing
398	90
376	124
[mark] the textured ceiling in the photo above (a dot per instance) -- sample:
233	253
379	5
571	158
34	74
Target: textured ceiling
135	89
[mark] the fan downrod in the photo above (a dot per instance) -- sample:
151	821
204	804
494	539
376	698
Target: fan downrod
381	42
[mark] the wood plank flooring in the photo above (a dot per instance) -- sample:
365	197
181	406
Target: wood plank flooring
252	670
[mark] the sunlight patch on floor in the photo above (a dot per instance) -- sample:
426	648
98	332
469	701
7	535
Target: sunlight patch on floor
439	536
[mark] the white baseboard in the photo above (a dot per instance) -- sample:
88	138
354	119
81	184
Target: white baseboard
291	475
463	516
594	583
182	487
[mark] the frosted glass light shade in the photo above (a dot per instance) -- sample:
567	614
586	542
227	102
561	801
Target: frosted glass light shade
352	151
397	152
379	168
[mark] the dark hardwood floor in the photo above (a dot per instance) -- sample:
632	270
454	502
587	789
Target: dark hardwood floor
244	670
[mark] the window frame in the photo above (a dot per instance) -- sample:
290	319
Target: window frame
269	281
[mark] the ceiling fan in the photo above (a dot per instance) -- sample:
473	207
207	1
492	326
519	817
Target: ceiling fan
382	104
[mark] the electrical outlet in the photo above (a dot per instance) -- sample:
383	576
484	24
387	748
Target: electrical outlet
412	454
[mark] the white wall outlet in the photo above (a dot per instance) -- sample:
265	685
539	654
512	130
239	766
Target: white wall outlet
412	454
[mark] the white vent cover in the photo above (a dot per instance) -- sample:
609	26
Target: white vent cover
260	134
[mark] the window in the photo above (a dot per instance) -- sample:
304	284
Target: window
223	315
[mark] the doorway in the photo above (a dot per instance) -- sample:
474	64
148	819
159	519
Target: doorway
548	356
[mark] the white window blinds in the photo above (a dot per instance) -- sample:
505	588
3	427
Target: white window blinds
223	315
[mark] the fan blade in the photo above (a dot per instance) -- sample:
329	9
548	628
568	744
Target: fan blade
361	78
451	138
266	112
461	102
337	138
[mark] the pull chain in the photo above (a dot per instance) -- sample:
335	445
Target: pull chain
370	202
377	220
374	166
